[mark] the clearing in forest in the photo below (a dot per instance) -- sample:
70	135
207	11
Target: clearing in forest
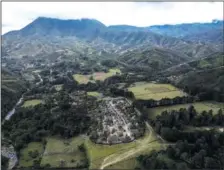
101	76
94	93
143	90
32	102
81	79
32	152
58	87
63	153
199	106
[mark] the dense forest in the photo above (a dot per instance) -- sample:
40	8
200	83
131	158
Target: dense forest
33	123
197	149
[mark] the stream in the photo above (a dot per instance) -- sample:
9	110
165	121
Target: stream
11	112
8	151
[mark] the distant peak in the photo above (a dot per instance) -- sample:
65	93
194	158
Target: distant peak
216	21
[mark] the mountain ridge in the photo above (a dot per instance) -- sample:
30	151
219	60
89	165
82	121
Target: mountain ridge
122	26
45	35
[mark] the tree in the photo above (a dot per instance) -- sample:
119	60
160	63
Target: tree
169	134
171	152
82	147
36	164
182	166
62	163
211	163
91	77
4	162
33	154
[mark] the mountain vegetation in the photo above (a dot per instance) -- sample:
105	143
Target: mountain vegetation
79	84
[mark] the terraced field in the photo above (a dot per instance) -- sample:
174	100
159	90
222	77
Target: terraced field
199	106
31	102
144	90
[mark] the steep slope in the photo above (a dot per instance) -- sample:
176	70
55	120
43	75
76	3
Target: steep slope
207	36
181	30
155	58
43	26
211	61
202	77
207	84
45	35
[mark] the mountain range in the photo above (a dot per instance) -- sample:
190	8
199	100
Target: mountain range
47	35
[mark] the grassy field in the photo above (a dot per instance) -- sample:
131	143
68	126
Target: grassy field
102	76
84	79
143	90
58	87
70	159
121	156
94	93
32	102
199	106
127	164
97	152
26	160
104	154
81	79
58	149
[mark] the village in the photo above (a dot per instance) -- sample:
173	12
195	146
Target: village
118	122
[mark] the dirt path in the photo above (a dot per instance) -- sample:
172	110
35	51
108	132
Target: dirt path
141	145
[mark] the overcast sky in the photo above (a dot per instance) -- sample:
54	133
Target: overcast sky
16	15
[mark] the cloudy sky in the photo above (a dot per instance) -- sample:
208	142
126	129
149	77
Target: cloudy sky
16	15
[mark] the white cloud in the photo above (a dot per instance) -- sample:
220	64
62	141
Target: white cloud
16	15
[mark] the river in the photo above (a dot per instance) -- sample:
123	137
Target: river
10	153
11	112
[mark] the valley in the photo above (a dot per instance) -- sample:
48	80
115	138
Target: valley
110	97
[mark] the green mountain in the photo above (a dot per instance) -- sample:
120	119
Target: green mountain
46	35
155	58
182	30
